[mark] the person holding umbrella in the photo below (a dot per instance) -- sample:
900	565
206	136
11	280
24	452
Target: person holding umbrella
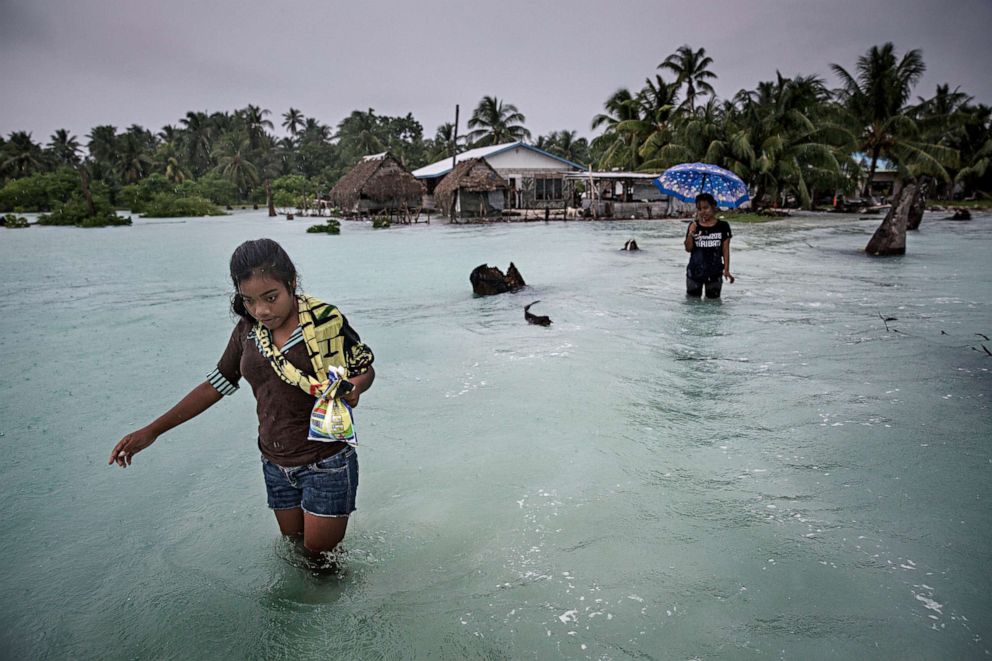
708	243
707	240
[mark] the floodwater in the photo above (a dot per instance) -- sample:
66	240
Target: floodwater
801	471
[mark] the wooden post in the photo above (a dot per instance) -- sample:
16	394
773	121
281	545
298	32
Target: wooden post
592	195
454	141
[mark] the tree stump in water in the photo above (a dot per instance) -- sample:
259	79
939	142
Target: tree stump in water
890	237
489	280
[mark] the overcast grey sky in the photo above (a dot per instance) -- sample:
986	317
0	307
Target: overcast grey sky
78	63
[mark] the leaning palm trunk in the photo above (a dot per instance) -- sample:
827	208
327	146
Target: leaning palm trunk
890	237
268	198
84	179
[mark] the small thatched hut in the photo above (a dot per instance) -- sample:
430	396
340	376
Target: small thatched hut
378	184
472	189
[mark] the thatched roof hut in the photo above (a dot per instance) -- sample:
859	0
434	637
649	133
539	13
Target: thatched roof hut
378	183
473	188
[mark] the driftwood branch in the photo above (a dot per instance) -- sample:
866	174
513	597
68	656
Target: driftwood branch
885	321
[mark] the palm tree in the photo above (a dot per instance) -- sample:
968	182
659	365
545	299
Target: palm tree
292	121
102	144
314	152
653	128
225	122
704	135
942	120
232	164
975	144
358	135
169	133
618	144
944	102
875	100
21	156
284	157
167	159
566	144
197	141
315	131
782	143
65	148
442	145
269	162
494	122
134	154
173	169
255	124
691	69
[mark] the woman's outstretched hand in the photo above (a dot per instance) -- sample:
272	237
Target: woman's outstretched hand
123	453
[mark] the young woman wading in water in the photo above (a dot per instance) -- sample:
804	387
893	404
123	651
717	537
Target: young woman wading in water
708	243
285	345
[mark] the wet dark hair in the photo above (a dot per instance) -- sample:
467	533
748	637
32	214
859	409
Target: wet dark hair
706	197
261	256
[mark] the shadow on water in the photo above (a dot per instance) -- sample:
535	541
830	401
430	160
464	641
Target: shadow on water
701	318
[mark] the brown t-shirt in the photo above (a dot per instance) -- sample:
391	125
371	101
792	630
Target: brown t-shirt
283	409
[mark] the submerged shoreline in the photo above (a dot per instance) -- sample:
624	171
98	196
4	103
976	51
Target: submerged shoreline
662	474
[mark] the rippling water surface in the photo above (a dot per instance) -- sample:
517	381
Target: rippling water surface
777	475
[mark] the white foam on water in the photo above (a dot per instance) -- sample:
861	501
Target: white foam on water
929	603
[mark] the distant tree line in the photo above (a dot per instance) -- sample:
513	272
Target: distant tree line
789	139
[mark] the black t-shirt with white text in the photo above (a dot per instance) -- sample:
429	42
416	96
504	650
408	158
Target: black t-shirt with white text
706	259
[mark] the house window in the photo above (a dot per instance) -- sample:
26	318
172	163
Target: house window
547	189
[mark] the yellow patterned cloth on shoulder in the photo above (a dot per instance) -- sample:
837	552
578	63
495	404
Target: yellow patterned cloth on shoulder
335	351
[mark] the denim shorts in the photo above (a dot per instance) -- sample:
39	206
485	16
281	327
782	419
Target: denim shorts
324	488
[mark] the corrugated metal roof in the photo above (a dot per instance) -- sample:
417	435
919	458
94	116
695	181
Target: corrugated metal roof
443	167
611	175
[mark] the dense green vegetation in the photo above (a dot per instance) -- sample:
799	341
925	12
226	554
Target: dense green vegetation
13	221
330	227
792	140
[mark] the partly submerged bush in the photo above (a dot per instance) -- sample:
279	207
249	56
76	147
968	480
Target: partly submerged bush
167	205
380	222
12	221
330	227
77	213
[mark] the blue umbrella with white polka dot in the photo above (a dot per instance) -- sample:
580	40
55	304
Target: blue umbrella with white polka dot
687	180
